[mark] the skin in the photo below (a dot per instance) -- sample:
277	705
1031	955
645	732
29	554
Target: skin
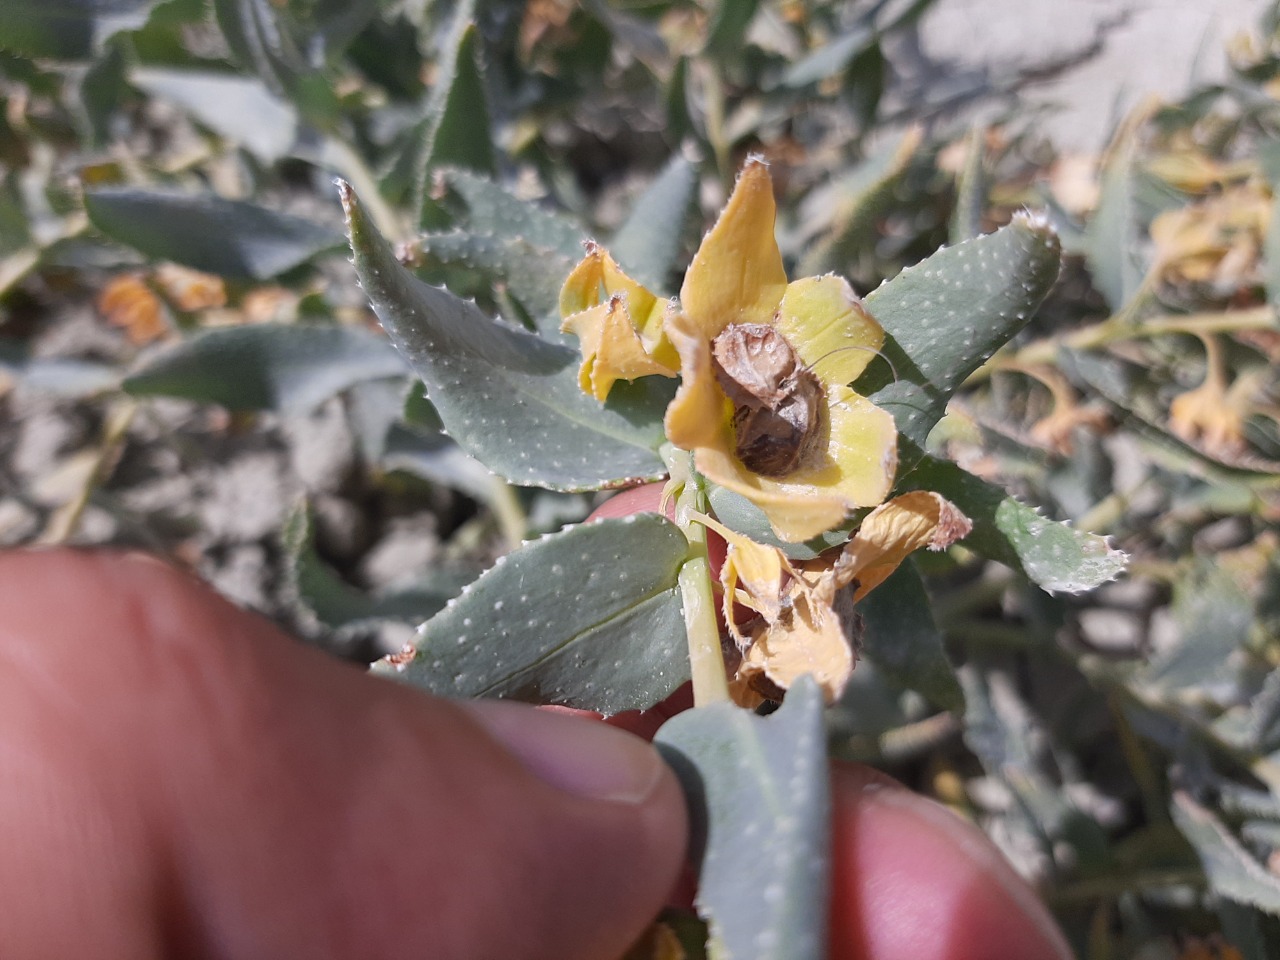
180	778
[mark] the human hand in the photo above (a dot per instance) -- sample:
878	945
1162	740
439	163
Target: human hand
179	778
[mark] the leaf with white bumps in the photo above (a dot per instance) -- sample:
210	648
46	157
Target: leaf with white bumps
509	398
901	638
944	317
228	237
590	617
1231	870
494	211
760	808
532	274
1049	552
269	366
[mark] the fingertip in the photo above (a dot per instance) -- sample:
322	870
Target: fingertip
646	498
912	881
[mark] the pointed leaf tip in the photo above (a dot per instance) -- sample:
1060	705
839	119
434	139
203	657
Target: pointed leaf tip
491	382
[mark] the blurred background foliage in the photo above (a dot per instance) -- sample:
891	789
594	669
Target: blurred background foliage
187	364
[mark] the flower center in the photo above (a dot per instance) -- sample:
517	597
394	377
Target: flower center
776	399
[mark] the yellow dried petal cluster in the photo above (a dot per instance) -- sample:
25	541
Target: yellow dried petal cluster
802	612
737	278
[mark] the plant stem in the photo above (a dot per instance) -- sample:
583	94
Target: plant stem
706	662
1115	328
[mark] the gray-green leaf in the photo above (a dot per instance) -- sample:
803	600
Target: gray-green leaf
1113	239
66	29
492	210
590	617
227	237
901	638
240	109
647	243
267	366
944	317
508	397
758	794
1232	872
1049	552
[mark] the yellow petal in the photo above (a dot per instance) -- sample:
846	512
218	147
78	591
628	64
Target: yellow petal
596	278
737	275
611	348
859	457
895	529
827	325
811	639
802	624
753	575
699	414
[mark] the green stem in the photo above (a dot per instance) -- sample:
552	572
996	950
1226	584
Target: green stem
706	661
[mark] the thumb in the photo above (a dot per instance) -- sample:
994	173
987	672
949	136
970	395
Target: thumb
180	778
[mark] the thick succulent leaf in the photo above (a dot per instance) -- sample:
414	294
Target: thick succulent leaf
318	592
1263	728
240	109
492	210
971	189
647	242
1270	157
728	28
901	639
532	274
760	807
455	131
1113	239
1214	614
267	367
852	204
285	43
508	397
59	376
440	460
944	317
589	618
833	56
1231	870
66	29
261	40
1049	552
227	237
1009	739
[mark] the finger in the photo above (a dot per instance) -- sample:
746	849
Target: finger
912	881
179	778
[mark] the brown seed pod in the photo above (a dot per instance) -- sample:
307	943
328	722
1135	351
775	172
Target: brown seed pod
776	398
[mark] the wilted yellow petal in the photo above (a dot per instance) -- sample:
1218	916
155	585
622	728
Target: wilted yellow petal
737	274
190	290
699	415
811	639
801	625
611	348
827	325
895	529
127	301
595	281
753	575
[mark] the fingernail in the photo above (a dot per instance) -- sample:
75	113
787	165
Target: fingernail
584	757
